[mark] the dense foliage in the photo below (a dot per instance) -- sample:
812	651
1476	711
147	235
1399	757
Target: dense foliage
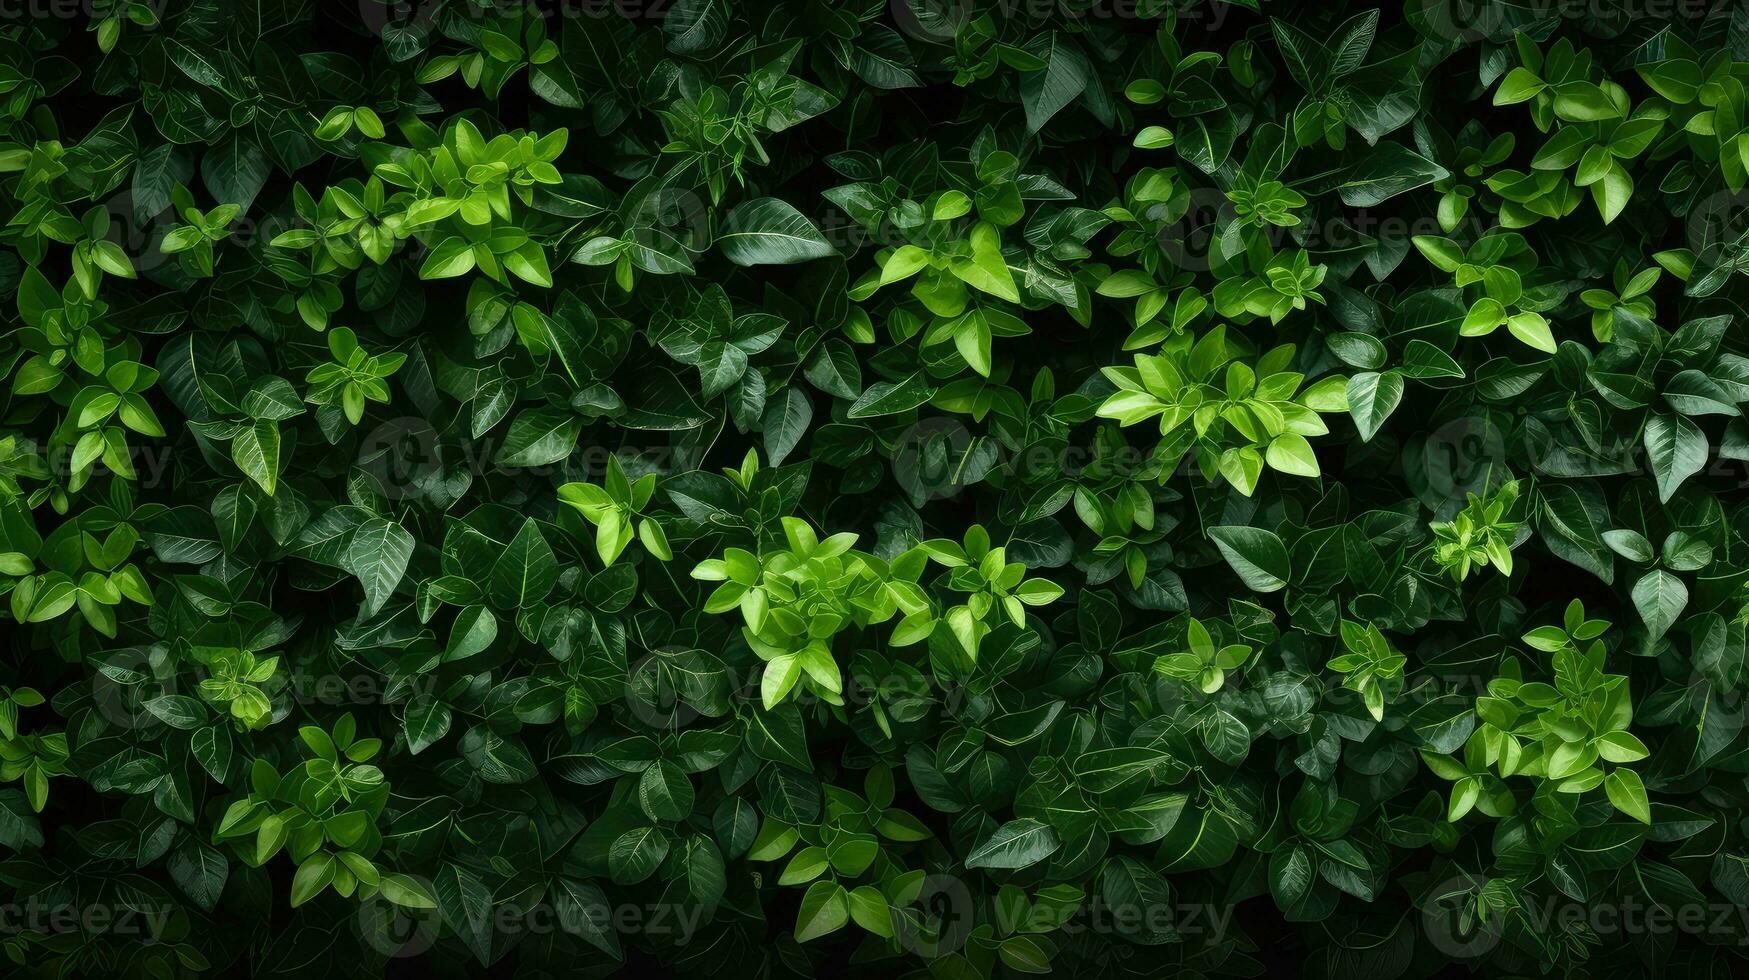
960	488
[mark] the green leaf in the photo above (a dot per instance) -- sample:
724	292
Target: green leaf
1016	844
786	421
665	793
427	720
1064	75
1291	453
1385	171
1256	554
1676	449
255	450
201	872
583	910
474	630
378	556
1291	875
1660	598
235	170
539	437
312	877
985	268
1521	84
19	827
824	910
892	397
1628	794
526	571
407	892
767	231
1372	397
465	903
636	854
834	370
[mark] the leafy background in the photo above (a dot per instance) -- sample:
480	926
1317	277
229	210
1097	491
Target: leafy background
975	487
